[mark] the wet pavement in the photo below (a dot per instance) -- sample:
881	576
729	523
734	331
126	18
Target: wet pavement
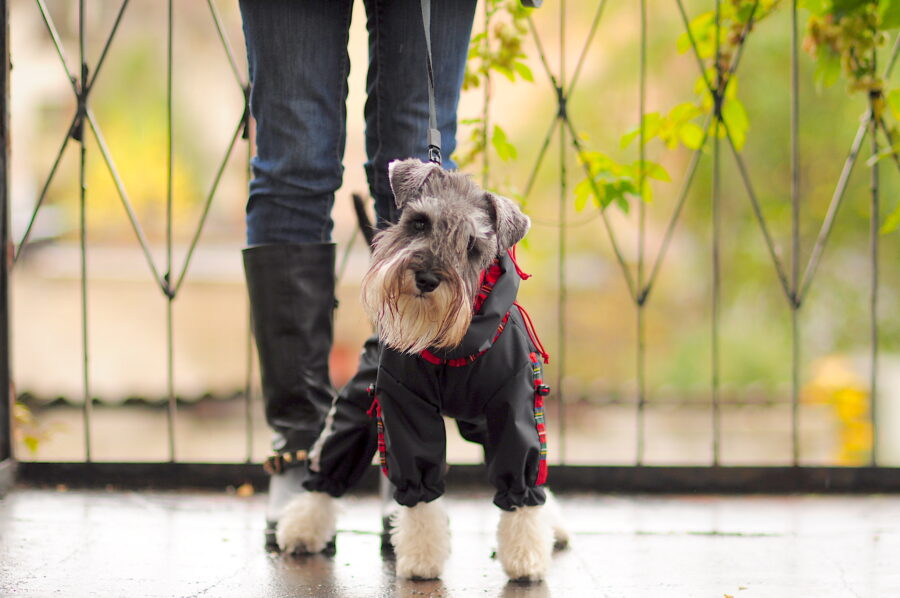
167	544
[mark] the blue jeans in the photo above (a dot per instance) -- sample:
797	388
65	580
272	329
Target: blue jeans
297	52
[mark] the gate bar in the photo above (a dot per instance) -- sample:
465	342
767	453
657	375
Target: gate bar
564	478
6	403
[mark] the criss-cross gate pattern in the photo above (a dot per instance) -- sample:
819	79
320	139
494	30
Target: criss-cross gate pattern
640	283
6	452
170	277
639	277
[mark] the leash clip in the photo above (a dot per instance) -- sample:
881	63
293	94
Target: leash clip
434	146
434	154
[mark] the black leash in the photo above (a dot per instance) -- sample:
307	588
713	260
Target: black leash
434	135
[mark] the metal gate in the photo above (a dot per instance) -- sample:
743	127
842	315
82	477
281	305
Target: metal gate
716	143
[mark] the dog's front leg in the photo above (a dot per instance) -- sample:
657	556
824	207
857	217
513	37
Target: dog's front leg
525	543
421	539
308	523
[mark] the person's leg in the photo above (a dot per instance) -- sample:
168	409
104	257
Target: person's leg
397	105
298	61
298	70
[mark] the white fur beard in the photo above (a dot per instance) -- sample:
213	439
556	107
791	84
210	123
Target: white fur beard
410	321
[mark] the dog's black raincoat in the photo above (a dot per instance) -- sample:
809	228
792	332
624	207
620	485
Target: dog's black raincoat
491	384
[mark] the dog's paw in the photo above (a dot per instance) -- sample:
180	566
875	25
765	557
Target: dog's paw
524	544
421	539
307	524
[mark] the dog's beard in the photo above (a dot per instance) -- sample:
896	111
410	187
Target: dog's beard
408	320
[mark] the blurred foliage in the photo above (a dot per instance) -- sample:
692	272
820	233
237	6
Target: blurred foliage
609	180
497	49
844	36
755	332
27	430
500	48
835	383
139	147
129	104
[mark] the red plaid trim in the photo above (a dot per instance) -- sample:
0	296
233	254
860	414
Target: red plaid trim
459	362
489	278
540	391
375	410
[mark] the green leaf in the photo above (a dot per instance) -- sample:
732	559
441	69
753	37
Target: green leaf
652	170
611	193
505	71
608	182
893	102
883	153
583	193
652	123
892	222
524	71
828	67
647	196
505	150
731	90
744	11
31	443
691	135
628	137
703	30
735	117
889	11
817	7
683	44
684	112
841	8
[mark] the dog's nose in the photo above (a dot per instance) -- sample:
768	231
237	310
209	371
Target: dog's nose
426	281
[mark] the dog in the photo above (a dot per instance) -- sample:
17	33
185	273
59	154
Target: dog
441	291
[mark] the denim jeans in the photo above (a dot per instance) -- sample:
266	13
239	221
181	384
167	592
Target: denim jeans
297	53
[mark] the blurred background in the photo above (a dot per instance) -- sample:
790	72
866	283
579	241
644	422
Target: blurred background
578	296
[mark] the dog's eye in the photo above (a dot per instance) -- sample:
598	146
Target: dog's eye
471	246
419	225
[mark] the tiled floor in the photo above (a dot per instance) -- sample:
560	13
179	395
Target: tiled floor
134	544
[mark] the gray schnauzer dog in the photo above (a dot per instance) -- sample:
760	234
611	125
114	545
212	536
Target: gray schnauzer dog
425	271
441	291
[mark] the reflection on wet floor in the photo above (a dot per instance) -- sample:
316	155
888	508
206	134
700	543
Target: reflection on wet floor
165	544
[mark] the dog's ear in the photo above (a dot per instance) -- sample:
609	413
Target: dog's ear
509	221
407	178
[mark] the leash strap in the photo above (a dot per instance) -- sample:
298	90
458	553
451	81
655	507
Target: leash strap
434	135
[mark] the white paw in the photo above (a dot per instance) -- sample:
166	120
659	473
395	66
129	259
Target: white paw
421	539
525	543
307	524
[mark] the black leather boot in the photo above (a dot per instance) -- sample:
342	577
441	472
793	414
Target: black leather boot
292	302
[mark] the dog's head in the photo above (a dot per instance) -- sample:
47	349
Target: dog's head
425	271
